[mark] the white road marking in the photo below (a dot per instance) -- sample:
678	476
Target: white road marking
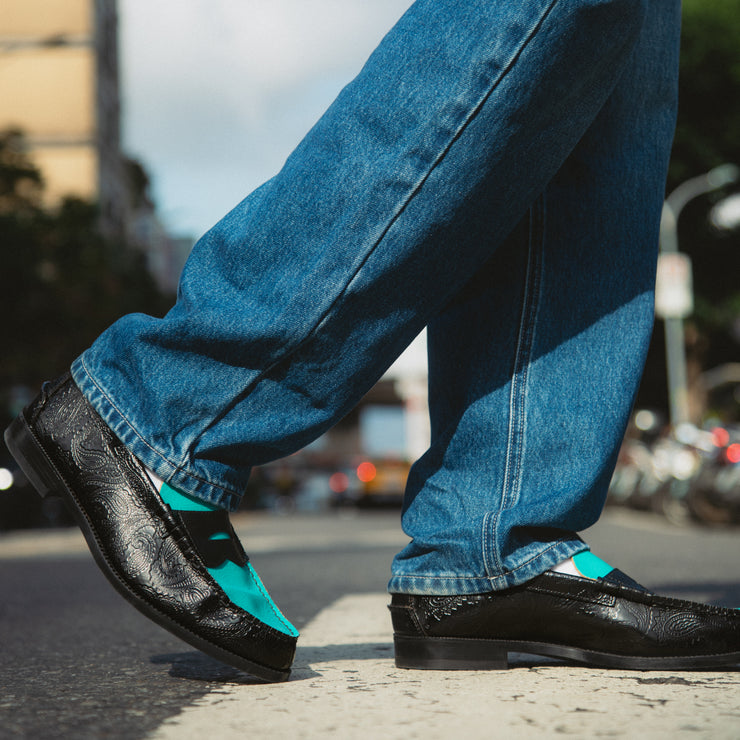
345	685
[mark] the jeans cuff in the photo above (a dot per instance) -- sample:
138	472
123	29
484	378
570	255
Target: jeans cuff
426	584
211	493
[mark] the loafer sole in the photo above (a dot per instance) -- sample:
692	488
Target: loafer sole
471	654
47	480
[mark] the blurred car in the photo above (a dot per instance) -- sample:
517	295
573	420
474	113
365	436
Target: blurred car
370	482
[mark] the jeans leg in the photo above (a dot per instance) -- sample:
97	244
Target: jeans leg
534	366
296	302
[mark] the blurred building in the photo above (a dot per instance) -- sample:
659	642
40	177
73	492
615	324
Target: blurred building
59	86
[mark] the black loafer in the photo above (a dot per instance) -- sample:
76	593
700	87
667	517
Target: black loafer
151	554
611	622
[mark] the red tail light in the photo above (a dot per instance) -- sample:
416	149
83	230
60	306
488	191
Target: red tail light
366	472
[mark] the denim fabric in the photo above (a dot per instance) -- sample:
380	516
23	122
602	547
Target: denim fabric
496	172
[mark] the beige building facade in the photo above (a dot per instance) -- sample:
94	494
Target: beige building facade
59	86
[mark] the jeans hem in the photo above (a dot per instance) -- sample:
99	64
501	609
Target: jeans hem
168	471
449	584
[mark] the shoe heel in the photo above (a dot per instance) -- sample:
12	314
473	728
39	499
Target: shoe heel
449	653
31	458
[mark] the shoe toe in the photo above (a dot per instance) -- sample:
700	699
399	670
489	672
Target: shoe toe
141	546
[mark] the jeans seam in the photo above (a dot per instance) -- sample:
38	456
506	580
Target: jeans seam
476	108
490	523
516	433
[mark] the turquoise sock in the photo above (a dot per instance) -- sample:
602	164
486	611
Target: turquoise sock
240	583
590	565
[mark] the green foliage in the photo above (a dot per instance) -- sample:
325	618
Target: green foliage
61	282
708	129
707	135
20	179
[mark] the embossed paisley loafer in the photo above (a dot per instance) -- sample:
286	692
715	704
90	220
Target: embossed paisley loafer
612	622
156	557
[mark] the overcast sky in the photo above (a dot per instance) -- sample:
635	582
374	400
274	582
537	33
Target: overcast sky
216	93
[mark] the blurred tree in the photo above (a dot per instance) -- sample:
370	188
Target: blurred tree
61	282
707	135
20	181
708	127
138	183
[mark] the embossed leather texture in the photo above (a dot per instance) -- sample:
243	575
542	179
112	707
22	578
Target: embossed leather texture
600	622
144	548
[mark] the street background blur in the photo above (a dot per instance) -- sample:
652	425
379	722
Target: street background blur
127	128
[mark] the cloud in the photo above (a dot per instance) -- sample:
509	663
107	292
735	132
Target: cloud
217	92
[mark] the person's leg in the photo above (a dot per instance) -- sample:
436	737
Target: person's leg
294	304
533	371
535	365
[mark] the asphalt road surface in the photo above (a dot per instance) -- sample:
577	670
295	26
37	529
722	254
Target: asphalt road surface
79	662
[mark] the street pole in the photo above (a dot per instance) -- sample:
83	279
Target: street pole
678	393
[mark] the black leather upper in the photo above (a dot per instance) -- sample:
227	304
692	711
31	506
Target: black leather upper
590	614
142	540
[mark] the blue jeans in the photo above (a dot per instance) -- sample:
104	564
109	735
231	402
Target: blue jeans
495	172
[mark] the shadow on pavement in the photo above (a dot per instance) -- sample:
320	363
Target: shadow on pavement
196	666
